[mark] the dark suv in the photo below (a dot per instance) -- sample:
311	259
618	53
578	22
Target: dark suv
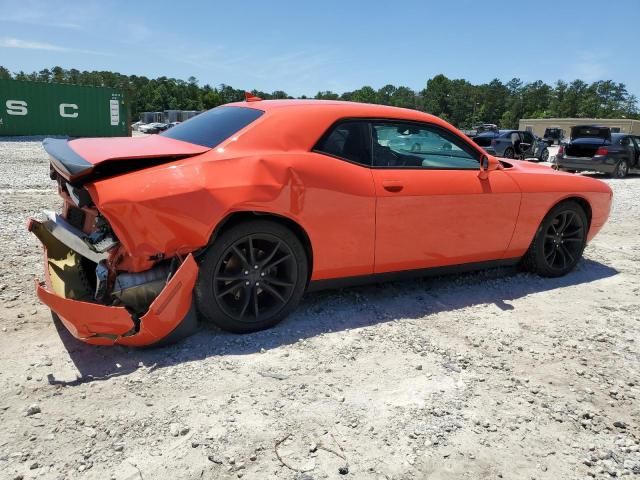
553	136
595	148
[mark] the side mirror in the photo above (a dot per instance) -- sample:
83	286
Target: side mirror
488	164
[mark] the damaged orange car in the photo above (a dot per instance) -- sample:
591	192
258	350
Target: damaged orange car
234	214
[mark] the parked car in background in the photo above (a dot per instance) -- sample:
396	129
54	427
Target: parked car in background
486	127
595	148
508	144
236	212
411	140
136	125
553	136
173	124
155	127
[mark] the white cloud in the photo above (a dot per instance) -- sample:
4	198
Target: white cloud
296	71
61	14
8	42
17	43
138	32
590	66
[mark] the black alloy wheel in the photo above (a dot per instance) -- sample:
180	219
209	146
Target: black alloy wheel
564	240
509	152
251	277
559	242
255	277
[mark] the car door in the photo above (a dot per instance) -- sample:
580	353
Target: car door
527	137
628	152
432	207
636	141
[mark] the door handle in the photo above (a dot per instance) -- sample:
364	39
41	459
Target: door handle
392	185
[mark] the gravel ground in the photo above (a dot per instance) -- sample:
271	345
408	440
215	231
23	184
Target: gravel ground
496	374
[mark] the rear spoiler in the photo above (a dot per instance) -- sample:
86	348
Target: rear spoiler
82	160
64	159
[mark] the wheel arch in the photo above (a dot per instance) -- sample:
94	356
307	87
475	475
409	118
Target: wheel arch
237	217
583	202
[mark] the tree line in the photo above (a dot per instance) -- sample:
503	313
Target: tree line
456	100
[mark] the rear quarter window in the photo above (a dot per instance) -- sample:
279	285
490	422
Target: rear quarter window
213	126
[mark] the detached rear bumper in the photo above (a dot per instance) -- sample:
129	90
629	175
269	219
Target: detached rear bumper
96	323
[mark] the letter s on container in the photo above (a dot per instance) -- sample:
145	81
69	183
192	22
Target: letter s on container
16	107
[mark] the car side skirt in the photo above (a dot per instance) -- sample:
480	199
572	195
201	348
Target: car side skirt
333	283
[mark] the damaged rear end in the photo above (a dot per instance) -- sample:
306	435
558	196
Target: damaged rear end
88	281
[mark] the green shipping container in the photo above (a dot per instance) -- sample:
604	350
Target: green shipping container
39	108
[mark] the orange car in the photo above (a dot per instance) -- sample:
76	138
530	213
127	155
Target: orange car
236	212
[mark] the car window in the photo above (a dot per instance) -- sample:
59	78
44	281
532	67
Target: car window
528	138
348	140
213	126
410	145
625	141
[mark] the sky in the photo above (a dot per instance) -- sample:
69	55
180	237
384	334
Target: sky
306	46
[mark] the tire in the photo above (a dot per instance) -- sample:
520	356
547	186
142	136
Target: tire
509	152
556	247
544	155
251	277
621	169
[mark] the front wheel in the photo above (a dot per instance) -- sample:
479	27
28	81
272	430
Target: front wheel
559	242
252	277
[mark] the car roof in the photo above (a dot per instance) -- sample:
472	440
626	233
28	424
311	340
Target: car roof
346	109
303	122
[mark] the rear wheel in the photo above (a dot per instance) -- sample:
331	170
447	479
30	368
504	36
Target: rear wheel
509	152
252	277
621	169
559	241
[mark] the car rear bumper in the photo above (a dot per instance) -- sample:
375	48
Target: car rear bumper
595	164
97	323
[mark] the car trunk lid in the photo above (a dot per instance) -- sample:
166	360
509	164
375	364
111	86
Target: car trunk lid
585	147
88	159
587	131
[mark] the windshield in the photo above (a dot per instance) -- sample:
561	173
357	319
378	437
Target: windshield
213	126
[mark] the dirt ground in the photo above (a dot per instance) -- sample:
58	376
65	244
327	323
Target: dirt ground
496	374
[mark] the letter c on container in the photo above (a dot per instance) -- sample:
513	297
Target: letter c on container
65	106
